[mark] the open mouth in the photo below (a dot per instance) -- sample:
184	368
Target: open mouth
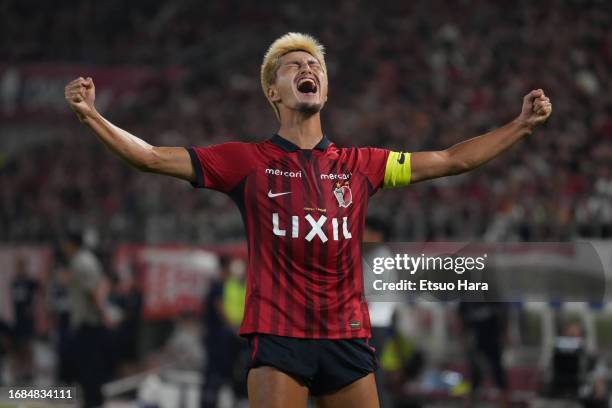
307	86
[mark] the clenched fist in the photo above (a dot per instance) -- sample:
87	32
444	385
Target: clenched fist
80	95
536	109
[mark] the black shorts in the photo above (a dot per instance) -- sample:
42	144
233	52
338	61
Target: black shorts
323	365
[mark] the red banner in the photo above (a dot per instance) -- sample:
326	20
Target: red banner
174	279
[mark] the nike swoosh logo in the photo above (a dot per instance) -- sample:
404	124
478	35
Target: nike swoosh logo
272	195
401	159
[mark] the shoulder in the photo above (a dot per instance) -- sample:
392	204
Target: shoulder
235	151
357	150
359	155
232	146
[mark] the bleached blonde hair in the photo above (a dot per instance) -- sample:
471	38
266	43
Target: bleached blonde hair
283	45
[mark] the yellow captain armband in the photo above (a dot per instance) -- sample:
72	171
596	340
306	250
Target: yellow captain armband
397	170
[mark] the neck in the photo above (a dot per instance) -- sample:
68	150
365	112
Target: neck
301	130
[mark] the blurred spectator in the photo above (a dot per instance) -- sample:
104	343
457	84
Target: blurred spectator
60	310
484	330
183	350
5	332
234	298
88	291
127	301
222	317
24	290
401	362
575	374
377	232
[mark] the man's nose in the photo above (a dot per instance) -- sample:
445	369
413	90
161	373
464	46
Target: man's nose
305	69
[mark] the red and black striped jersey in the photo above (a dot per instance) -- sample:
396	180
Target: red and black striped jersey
304	212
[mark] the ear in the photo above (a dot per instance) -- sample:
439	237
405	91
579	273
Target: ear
273	94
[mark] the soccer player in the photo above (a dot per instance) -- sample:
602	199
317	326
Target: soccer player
303	200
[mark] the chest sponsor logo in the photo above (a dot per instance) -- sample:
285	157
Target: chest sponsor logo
338	176
343	193
284	173
316	227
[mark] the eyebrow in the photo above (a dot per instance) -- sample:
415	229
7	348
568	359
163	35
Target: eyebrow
310	61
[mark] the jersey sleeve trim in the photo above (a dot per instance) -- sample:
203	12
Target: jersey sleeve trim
397	170
197	168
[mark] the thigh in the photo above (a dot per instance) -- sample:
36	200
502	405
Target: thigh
361	393
271	388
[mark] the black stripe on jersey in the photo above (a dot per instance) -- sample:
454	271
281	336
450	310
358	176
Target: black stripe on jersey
346	289
308	251
255	252
323	254
275	270
370	187
287	293
340	291
237	196
197	168
358	278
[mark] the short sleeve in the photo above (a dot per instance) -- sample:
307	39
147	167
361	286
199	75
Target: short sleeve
221	167
372	162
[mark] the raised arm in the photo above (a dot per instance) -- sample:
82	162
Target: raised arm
172	161
472	153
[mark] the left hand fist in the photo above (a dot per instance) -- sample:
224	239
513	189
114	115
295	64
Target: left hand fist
536	109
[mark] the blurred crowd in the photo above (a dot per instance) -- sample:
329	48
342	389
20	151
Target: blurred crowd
83	326
403	75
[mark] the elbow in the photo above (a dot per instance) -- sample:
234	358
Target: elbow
149	163
144	169
461	166
144	166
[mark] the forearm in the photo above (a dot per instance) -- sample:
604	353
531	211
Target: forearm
477	151
128	147
467	155
171	161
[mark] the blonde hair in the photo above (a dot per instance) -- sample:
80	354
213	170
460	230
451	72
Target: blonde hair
283	45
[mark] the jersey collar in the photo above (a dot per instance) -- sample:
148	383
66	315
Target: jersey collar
288	146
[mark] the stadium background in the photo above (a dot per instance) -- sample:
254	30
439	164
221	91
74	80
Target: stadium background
403	75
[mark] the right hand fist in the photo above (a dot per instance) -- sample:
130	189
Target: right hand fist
536	109
80	95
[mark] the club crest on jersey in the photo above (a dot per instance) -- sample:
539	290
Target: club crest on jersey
343	193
